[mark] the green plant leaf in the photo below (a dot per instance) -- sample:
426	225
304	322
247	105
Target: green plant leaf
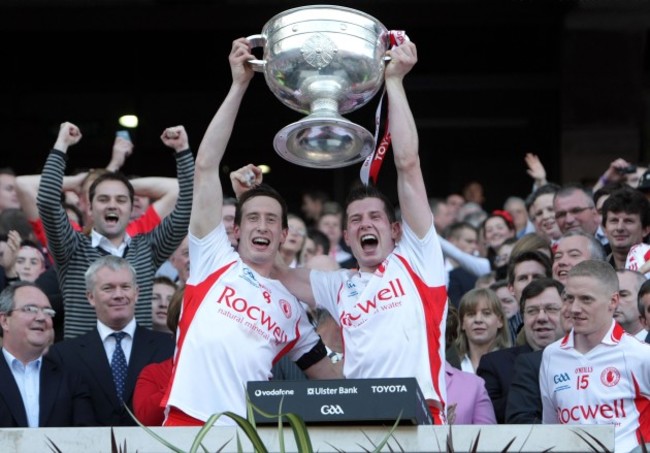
248	429
153	434
298	427
300	433
384	441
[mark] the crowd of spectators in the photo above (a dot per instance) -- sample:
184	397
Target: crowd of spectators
556	276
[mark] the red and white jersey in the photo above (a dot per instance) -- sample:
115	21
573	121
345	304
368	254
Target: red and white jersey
234	325
393	320
608	385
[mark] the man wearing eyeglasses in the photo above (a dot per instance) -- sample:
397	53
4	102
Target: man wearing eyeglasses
544	302
111	356
540	305
36	391
575	210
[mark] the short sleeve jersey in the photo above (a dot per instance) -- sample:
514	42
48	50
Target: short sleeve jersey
235	324
608	385
393	320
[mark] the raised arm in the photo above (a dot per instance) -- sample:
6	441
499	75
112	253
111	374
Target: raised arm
476	265
55	220
162	191
207	184
122	148
27	190
411	190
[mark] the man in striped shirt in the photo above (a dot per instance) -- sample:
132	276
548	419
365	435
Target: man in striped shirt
111	198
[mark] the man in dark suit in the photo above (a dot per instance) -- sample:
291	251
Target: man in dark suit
112	355
524	405
35	391
541	305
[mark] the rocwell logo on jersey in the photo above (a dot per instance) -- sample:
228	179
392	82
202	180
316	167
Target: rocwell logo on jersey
590	412
386	298
259	320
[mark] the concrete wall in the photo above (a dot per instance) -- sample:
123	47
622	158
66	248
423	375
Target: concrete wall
494	438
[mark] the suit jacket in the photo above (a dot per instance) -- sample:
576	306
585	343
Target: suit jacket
460	281
524	404
467	392
86	355
496	368
64	398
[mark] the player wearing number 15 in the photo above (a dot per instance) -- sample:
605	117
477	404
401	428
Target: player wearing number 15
597	373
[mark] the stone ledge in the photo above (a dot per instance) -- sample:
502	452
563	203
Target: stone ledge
493	438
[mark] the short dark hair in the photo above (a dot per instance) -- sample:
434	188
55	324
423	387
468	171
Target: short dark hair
163	280
550	188
529	255
7	171
537	287
607	189
498	284
629	201
363	192
111	176
262	190
455	228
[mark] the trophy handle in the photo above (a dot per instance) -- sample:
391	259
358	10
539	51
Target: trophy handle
257	41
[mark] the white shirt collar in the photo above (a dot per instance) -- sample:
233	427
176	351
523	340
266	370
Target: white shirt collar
105	331
10	358
99	240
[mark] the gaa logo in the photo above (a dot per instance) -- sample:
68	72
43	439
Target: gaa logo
331	409
559	378
610	376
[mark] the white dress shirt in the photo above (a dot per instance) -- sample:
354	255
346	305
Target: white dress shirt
109	341
28	379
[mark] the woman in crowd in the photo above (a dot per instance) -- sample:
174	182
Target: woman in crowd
468	402
483	327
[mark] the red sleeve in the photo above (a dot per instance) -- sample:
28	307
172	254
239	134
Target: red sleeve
37	226
149	391
145	223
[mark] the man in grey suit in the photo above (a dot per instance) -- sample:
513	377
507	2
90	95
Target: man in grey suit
117	339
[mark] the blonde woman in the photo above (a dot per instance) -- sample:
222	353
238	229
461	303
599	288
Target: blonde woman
483	327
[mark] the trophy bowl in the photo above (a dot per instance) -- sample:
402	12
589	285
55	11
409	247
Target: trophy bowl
323	61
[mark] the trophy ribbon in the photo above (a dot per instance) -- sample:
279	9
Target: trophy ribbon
370	168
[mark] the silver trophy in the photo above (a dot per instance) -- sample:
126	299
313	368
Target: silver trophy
323	61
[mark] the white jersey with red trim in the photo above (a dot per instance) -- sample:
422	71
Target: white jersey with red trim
393	320
234	325
608	385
